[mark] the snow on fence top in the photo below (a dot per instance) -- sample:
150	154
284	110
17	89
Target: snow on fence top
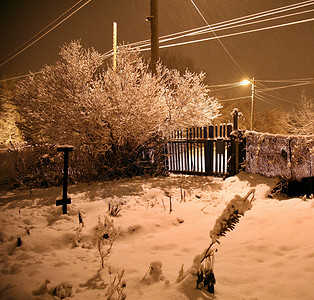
271	155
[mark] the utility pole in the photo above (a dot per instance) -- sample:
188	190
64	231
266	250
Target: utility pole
114	46
153	18
252	102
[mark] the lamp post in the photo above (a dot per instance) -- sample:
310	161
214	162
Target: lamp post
252	83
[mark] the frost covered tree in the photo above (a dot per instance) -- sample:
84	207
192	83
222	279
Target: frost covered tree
301	119
110	113
9	132
55	105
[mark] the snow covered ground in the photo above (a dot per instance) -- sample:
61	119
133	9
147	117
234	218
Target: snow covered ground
269	255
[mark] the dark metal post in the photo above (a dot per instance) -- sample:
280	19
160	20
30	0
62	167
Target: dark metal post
65	200
235	140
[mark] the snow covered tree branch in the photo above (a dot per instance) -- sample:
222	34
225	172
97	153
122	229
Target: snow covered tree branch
110	114
301	119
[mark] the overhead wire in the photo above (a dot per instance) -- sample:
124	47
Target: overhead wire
12	52
269	102
232	84
233	99
225	88
44	34
241	19
283	87
279	98
273	96
227	23
232	34
230	26
18	77
105	56
286	80
221	43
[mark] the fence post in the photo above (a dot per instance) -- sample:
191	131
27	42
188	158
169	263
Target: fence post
235	149
65	200
236	144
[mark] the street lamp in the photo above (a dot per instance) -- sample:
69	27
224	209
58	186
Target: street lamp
245	82
252	83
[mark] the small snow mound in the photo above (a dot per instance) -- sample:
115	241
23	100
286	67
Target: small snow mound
56	215
63	290
180	220
154	273
153	194
43	289
133	228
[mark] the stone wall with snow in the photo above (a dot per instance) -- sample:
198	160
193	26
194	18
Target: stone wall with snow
273	155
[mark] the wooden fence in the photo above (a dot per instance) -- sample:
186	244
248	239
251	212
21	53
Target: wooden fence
208	150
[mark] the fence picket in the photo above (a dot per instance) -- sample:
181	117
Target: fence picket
205	150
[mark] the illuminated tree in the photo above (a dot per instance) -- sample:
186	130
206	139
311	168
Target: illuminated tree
113	113
9	132
301	119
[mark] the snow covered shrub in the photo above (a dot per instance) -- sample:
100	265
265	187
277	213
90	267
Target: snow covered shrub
203	265
61	291
114	209
301	119
34	166
116	119
106	234
116	286
154	273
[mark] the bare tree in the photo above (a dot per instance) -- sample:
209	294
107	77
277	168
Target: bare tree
300	120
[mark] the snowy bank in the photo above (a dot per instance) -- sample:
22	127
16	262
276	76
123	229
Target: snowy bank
269	255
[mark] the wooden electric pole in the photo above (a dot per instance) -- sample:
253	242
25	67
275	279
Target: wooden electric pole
252	102
114	45
153	18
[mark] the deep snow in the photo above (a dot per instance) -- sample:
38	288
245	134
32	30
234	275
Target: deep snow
269	255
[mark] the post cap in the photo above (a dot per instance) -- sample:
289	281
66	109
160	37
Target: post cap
63	148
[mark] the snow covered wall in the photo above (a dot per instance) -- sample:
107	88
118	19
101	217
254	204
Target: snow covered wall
280	155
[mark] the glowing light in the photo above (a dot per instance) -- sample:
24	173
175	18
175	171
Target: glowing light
245	82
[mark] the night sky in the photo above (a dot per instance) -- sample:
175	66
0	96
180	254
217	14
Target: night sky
282	53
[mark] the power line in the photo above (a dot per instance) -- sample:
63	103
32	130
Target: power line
273	96
105	56
232	84
18	77
279	98
283	87
44	34
228	23
269	102
40	31
286	80
233	99
221	43
241	19
226	88
229	26
233	34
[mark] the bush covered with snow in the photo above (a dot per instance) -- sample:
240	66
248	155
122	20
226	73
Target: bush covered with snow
116	118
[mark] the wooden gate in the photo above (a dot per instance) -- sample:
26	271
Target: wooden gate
208	150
